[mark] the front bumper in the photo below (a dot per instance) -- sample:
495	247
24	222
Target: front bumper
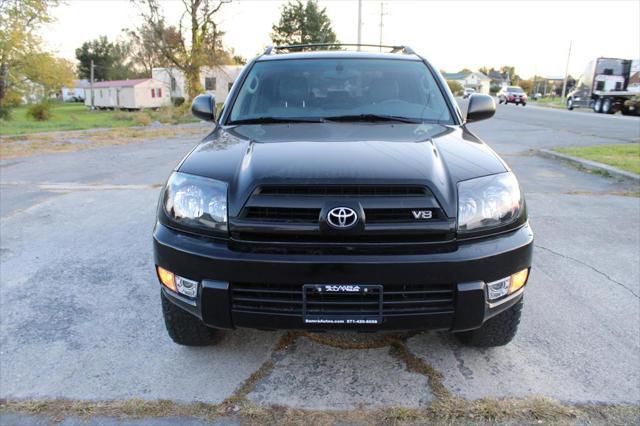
467	269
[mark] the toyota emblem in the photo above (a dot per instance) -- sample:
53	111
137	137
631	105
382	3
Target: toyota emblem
342	217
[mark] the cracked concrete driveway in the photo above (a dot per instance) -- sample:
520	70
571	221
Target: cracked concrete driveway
80	309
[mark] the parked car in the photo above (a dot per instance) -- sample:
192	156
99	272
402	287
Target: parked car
342	190
512	94
468	91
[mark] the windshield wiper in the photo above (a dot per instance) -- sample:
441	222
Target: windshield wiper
373	117
269	120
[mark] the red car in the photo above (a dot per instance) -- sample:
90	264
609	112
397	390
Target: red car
512	94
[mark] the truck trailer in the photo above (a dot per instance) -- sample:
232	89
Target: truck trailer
608	85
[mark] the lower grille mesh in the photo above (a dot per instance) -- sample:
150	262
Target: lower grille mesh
286	299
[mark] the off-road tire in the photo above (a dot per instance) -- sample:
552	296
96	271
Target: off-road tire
185	329
497	331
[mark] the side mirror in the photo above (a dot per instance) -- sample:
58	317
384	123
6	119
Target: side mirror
204	107
480	107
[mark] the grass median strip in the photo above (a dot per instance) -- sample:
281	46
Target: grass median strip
43	143
76	116
624	156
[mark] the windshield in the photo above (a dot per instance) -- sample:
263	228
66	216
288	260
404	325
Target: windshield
515	89
301	89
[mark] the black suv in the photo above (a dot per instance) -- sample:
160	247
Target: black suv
342	190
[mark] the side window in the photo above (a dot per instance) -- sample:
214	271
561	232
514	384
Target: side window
159	93
600	85
153	93
210	83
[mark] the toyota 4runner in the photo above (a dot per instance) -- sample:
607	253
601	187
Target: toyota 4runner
342	190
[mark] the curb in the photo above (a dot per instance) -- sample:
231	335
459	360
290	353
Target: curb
592	165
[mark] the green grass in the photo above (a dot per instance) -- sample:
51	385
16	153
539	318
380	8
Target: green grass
556	102
76	116
623	156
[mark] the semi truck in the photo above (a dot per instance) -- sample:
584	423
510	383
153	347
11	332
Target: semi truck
608	85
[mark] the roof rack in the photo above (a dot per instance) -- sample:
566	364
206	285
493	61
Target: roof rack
394	49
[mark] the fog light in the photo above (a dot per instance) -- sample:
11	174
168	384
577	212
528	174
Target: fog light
497	289
166	278
515	282
518	280
187	287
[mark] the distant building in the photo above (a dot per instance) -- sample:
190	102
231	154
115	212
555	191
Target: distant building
551	86
499	80
129	94
217	81
75	93
474	80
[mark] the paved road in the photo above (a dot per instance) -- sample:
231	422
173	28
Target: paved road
80	312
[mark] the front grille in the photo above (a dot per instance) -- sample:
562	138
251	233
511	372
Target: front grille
398	215
287	214
282	214
286	299
343	190
281	218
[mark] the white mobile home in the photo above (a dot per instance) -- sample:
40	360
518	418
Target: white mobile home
129	94
75	93
217	81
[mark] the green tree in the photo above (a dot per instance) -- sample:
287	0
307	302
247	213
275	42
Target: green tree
303	24
455	87
23	62
144	52
194	43
111	60
511	73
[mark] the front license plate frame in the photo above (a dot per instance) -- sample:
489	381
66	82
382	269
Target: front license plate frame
372	291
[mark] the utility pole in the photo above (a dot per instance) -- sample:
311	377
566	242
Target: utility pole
381	18
91	87
359	23
566	72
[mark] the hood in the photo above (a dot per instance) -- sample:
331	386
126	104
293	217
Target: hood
432	155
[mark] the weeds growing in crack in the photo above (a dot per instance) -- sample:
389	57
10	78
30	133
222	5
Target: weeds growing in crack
238	401
446	409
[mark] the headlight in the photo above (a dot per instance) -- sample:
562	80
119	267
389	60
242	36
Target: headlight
196	202
488	202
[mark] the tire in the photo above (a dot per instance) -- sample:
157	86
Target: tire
607	107
524	104
597	105
625	110
570	104
185	329
496	331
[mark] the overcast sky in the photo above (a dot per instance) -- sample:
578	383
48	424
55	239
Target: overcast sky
532	36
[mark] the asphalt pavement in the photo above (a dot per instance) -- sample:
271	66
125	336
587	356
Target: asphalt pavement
80	308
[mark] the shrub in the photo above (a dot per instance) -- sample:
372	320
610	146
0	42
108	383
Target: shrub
143	119
455	87
40	111
6	113
122	116
177	101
